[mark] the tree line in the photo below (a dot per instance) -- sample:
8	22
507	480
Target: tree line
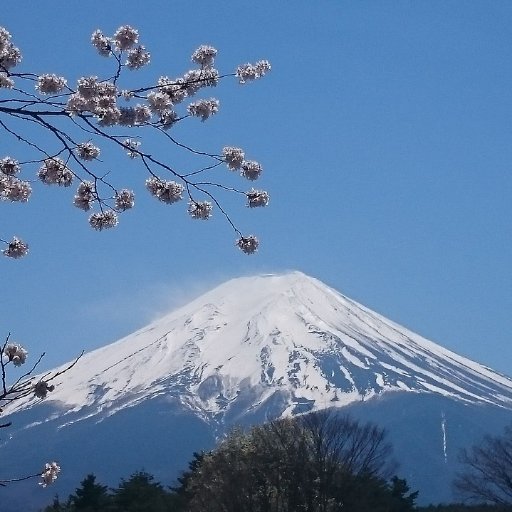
319	462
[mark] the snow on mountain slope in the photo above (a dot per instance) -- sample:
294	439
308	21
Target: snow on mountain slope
285	338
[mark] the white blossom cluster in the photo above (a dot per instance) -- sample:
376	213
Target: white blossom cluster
9	166
132	147
159	102
10	55
50	84
85	195
5	81
201	210
138	57
168	119
49	474
251	170
234	157
16	248
15	353
87	151
166	191
204	56
176	89
103	220
134	116
54	171
235	160
257	198
124	39
248	72
204	108
248	244
41	388
11	187
125	199
102	43
97	97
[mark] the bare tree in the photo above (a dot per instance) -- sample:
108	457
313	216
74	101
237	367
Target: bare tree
487	476
76	122
320	462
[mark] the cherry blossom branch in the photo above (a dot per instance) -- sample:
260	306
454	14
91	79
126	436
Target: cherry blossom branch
27	384
48	475
92	108
23	386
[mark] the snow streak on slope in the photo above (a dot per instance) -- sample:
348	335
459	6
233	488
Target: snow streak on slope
286	340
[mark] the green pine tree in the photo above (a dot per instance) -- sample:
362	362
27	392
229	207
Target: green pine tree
90	496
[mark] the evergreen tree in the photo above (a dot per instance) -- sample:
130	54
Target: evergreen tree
140	494
90	496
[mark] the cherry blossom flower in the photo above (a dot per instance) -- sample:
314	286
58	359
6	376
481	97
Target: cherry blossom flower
6	82
191	81
16	248
49	474
87	87
166	191
234	157
127	94
204	108
15	353
209	77
142	114
175	89
103	220
108	116
204	55
55	172
137	58
125	199
14	189
168	118
257	198
200	209
248	244
251	170
85	195
5	38
10	56
9	166
159	102
126	37
248	72
87	151
102	43
77	103
132	147
50	84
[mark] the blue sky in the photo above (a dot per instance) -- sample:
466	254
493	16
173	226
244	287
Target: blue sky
384	130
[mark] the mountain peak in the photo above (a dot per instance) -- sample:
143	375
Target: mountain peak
282	338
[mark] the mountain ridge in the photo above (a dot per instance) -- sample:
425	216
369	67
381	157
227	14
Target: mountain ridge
280	333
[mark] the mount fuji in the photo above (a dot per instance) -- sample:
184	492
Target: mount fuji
251	350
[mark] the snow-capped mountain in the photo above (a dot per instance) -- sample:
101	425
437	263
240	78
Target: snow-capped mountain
252	349
286	338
